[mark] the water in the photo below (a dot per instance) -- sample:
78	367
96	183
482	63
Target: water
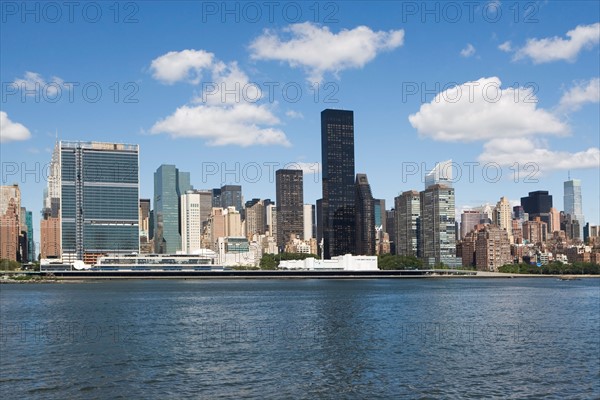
403	338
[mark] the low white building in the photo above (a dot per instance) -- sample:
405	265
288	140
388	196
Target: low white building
346	262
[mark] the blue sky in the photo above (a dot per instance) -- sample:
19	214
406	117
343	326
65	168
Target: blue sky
488	86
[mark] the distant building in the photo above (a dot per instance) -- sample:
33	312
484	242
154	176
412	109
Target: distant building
503	217
554	225
492	248
390	217
469	219
337	147
94	187
10	226
231	196
437	226
309	221
441	174
538	204
346	262
144	224
573	204
408	214
290	205
255	218
169	185
196	208
379	209
365	217
535	231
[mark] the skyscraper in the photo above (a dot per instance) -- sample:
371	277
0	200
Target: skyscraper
365	217
572	202
437	225
169	185
10	226
337	153
379	208
408	213
196	207
145	243
255	218
440	174
97	187
309	221
290	205
231	196
538	204
503	216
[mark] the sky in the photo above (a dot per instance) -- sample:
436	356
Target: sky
232	91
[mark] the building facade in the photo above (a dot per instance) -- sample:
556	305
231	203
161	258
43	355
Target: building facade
572	202
290	205
169	185
337	154
408	213
365	217
437	226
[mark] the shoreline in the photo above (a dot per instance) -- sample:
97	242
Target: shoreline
85	277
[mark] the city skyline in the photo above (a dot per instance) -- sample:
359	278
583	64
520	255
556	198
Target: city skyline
392	92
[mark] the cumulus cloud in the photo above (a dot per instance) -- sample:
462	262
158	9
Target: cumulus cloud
318	50
580	94
557	49
468	51
506	47
12	131
185	65
240	124
506	152
294	114
481	110
226	111
33	84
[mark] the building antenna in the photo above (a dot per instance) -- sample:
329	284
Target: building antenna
568	174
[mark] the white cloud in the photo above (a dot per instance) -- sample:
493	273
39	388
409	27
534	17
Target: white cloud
307	168
506	47
318	50
581	93
556	48
229	85
294	114
468	51
240	124
34	84
12	131
185	65
481	110
507	152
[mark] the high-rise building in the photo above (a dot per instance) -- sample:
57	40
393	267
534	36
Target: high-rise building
231	196
503	216
10	225
145	239
290	205
408	213
379	209
97	188
437	226
169	185
535	231
255	218
233	222
554	220
337	151
538	204
365	217
470	218
309	221
441	174
390	218
196	207
216	197
492	248
572	202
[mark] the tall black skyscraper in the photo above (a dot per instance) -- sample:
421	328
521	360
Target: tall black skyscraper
290	205
337	150
365	217
538	204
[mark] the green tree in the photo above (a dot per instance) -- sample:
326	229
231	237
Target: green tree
9	265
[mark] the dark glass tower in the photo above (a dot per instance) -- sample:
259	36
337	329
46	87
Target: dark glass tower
337	151
538	204
290	201
365	217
